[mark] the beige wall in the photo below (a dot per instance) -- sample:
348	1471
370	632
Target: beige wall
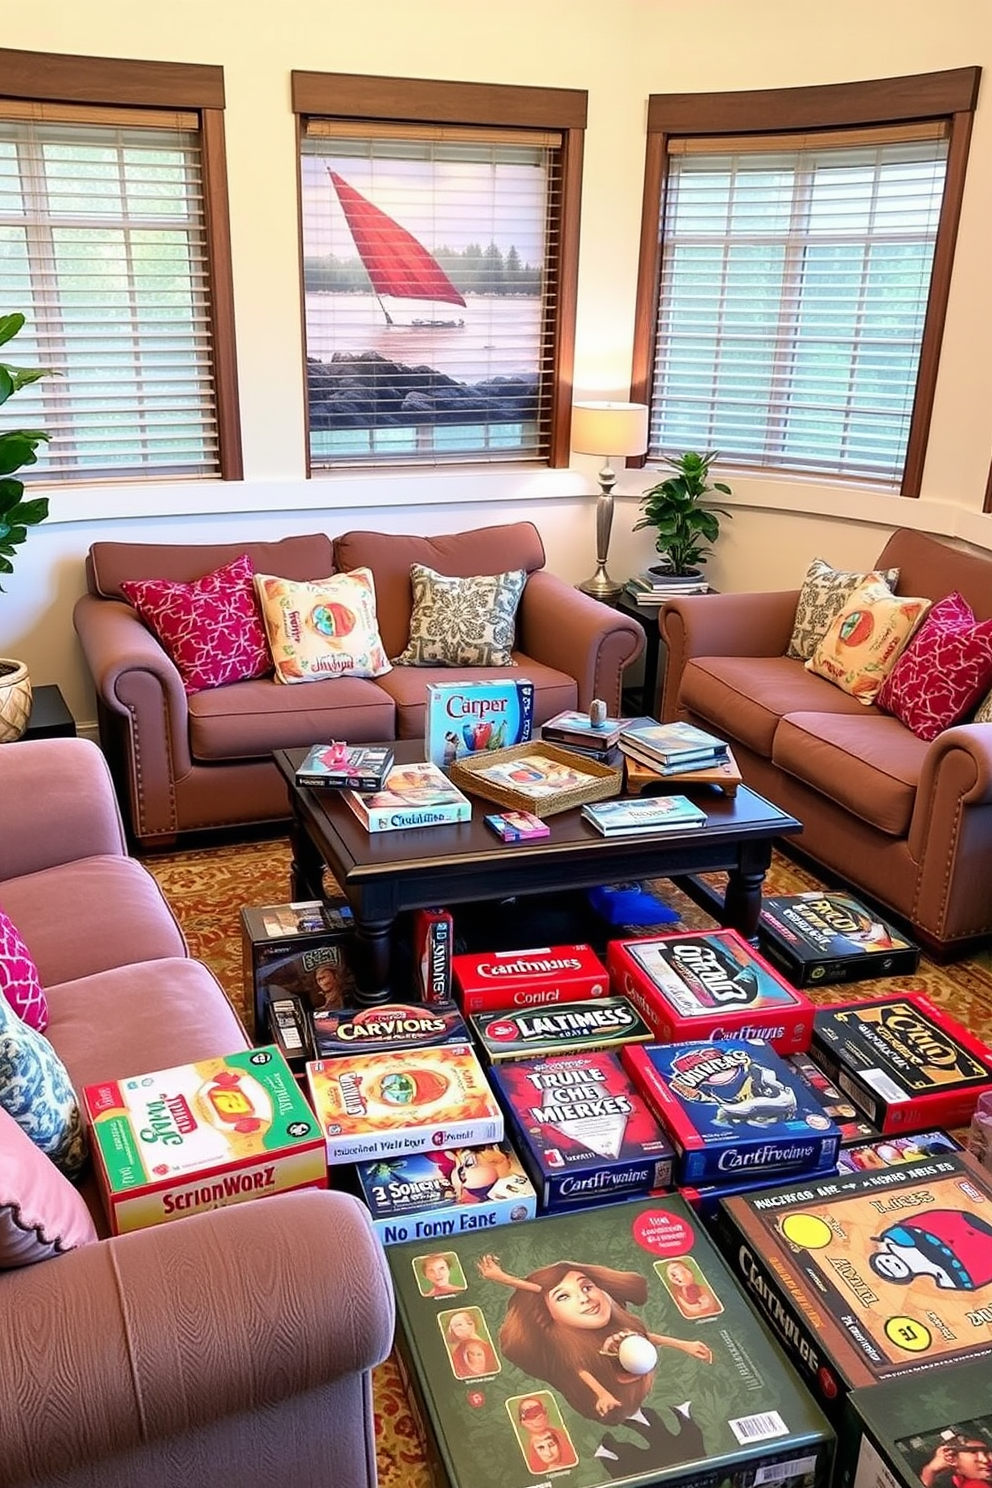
620	50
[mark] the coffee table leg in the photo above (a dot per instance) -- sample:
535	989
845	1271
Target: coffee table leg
373	946
742	901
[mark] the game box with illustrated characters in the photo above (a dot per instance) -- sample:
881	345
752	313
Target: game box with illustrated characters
584	1132
178	1141
491	981
709	985
885	1152
386	1027
733	1108
897	1436
434	1195
468	718
390	1104
873	1274
607	1346
296	950
818	938
562	1028
833	1102
904	1062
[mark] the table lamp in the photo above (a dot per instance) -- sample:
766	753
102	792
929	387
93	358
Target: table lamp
607	429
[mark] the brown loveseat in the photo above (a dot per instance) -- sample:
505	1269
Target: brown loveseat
230	1347
910	823
186	764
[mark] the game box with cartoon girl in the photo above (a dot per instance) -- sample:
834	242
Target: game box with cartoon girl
897	1436
433	1195
601	1347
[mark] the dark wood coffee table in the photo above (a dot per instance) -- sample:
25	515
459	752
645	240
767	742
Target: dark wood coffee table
384	874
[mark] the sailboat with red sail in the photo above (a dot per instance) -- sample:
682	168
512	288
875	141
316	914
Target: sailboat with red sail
398	265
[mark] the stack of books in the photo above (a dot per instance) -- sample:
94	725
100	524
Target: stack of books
576	731
643	814
346	766
653	589
671	748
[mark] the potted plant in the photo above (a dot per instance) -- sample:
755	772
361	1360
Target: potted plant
686	523
18	447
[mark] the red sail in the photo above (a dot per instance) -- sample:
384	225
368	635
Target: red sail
395	262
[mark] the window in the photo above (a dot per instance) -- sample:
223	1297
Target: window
113	243
795	264
439	241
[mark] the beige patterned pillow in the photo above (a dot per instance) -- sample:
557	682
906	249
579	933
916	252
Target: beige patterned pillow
462	622
866	638
322	628
823	595
984	714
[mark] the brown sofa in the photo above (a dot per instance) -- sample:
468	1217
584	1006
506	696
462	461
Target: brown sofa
185	764
909	823
233	1346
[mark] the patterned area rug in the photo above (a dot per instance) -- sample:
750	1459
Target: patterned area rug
206	890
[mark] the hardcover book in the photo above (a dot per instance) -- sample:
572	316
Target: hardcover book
466	718
415	795
644	814
821	937
671	743
584	1132
296	950
870	1275
904	1062
708	985
492	981
897	1436
575	727
391	1104
732	1107
598	1347
388	1027
561	1028
436	1195
356	766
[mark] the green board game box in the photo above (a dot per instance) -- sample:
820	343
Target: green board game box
898	1436
607	1346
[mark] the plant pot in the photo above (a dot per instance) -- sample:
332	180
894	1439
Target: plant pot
662	571
15	699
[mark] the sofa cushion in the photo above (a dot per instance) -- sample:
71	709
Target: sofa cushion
466	622
824	591
743	697
553	691
212	628
20	983
865	638
943	672
36	1091
108	564
41	1214
868	764
322	628
250	719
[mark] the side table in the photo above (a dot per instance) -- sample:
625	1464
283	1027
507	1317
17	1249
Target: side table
641	702
50	718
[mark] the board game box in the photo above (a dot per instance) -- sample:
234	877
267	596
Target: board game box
883	1152
604	1346
561	1028
733	1107
300	949
418	794
584	1132
178	1141
493	981
709	985
872	1274
390	1104
818	938
833	1102
897	1436
466	718
904	1062
433	947
434	1195
338	766
386	1027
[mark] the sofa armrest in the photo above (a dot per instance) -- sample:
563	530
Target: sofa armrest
167	1330
751	624
58	806
574	633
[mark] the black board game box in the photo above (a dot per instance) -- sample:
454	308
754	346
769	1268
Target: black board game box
870	1275
560	1028
607	1346
897	1436
301	949
386	1027
904	1062
818	938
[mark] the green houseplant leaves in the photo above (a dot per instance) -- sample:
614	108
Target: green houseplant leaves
18	448
685	524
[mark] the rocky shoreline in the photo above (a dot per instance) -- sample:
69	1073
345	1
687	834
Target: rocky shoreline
362	390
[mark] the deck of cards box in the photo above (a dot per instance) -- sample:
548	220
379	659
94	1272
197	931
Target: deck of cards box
818	938
733	1107
300	949
584	1132
709	985
904	1062
559	1028
897	1436
434	1195
178	1141
387	1027
492	981
604	1346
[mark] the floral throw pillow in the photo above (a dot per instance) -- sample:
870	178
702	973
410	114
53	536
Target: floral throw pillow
211	628
824	592
36	1091
20	983
462	622
943	672
863	643
323	628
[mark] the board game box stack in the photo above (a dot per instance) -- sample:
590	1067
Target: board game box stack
413	795
298	950
467	718
435	1195
896	1435
340	766
602	1346
820	938
494	981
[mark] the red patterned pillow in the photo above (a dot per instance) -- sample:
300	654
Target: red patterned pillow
943	672
20	983
212	628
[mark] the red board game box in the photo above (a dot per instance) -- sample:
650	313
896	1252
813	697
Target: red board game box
692	985
496	980
433	944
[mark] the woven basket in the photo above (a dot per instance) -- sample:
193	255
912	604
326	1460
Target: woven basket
602	781
15	699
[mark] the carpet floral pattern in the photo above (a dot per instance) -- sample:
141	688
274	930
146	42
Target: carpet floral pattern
207	888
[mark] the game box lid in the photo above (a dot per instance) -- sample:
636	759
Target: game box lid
434	1195
559	1028
897	1436
818	938
389	1026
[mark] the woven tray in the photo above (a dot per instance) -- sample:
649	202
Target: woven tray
604	781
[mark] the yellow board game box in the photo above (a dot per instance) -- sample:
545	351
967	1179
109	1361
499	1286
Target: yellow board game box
220	1131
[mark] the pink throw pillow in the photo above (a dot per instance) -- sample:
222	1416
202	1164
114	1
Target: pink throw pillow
943	672
20	983
212	629
41	1214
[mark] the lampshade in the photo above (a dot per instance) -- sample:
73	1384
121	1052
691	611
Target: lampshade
610	428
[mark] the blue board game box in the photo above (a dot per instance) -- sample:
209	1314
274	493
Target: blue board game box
467	718
733	1107
435	1195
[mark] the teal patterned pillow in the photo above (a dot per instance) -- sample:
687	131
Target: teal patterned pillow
462	622
36	1091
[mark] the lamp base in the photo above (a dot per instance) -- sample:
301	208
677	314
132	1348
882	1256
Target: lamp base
602	587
